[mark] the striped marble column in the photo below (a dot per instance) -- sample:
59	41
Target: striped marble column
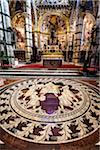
78	34
77	41
35	14
6	34
28	30
36	35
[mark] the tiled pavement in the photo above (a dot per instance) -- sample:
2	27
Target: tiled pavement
85	144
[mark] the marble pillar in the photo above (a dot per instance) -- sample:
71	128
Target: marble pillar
77	41
6	35
78	34
28	30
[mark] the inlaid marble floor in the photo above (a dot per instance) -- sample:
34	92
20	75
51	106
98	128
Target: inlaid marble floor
51	110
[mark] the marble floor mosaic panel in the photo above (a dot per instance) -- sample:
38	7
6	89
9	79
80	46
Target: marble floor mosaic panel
49	110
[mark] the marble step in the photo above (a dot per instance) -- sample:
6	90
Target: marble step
31	73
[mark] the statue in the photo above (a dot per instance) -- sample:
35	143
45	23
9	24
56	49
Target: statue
53	30
53	34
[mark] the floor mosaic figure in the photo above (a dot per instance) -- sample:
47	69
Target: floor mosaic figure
49	110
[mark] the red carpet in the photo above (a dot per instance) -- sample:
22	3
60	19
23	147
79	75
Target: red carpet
32	66
65	66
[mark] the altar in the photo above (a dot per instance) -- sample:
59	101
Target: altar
52	57
52	53
52	62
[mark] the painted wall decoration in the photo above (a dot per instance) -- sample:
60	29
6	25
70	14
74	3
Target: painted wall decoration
88	22
88	25
18	26
53	26
15	6
53	21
